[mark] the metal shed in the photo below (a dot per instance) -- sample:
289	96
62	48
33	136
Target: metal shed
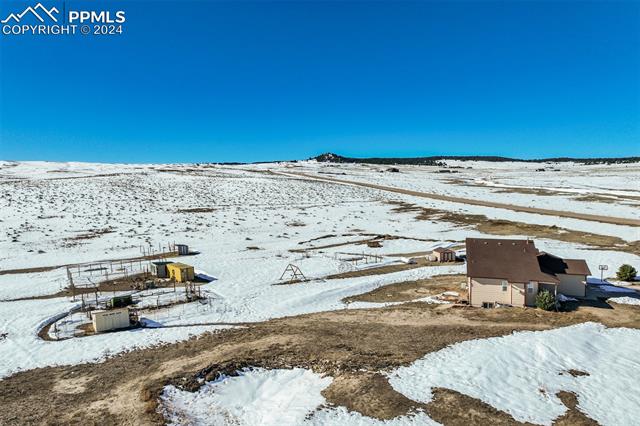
159	268
180	272
110	319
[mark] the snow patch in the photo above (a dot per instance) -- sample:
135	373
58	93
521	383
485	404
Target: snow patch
522	373
267	397
626	300
254	397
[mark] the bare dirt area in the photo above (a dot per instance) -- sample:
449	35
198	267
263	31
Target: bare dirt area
374	241
131	283
411	290
87	235
353	346
197	210
388	269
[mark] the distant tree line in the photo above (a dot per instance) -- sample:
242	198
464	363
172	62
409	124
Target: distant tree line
440	160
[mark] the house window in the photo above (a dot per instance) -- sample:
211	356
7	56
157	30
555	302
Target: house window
504	285
530	288
487	305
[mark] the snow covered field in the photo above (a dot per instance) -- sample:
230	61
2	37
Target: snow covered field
561	186
248	224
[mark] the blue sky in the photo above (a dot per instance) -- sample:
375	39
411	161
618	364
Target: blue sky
197	81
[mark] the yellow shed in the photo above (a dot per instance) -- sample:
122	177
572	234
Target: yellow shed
180	272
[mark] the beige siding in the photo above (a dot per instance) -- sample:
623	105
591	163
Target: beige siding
572	285
488	290
517	294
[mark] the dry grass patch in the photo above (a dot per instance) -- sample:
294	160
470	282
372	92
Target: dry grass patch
369	394
411	290
505	227
197	210
388	269
449	407
543	192
573	416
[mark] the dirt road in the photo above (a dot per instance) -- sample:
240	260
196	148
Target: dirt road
470	201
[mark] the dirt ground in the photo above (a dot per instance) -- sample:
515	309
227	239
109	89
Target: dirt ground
412	290
420	262
132	282
353	346
372	240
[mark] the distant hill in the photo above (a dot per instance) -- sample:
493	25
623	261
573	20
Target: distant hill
330	157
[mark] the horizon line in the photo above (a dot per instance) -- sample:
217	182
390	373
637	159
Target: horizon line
470	157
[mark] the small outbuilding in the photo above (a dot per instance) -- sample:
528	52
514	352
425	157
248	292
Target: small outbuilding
120	301
159	268
182	249
442	254
180	272
112	319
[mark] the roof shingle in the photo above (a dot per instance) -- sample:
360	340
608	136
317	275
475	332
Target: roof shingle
556	265
512	260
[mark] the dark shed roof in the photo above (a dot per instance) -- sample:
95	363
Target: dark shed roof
442	250
512	260
556	265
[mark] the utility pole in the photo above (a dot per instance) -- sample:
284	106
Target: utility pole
602	269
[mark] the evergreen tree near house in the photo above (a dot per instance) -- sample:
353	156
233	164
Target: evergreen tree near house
545	300
626	273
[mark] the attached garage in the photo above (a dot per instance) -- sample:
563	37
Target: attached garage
572	285
572	273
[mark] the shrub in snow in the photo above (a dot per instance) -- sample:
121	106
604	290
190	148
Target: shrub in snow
626	273
545	300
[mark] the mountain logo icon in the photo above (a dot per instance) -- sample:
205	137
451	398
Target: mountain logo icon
43	11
